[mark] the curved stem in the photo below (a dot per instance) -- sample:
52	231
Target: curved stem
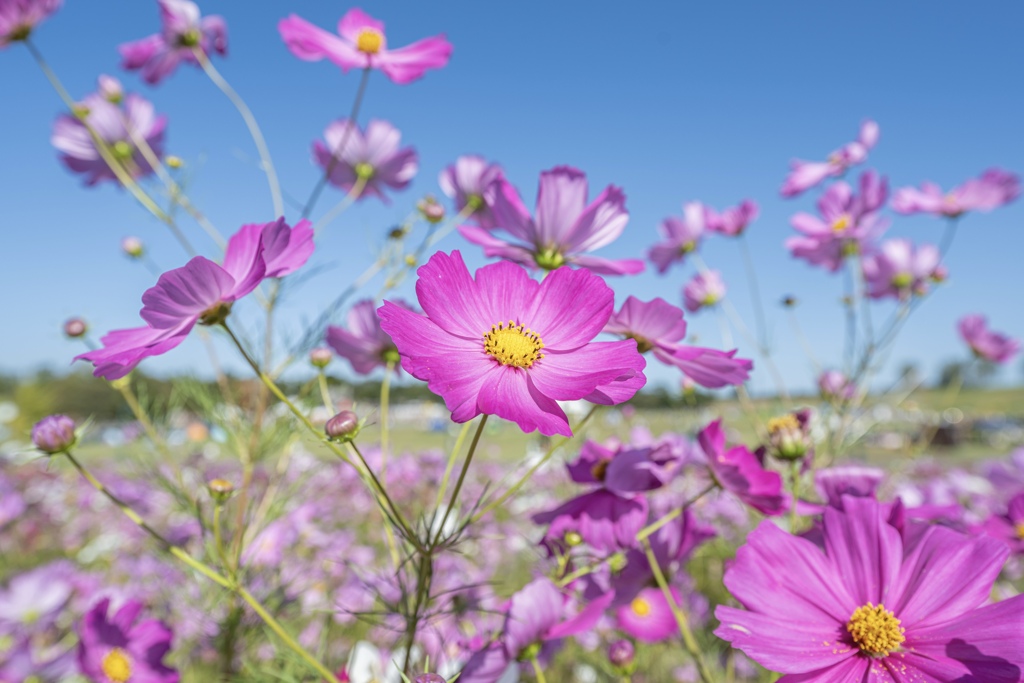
355	193
948	235
462	477
537	670
250	122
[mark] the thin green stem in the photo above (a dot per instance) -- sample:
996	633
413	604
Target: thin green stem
794	516
410	536
325	394
443	488
653	527
537	670
462	477
250	121
342	206
385	427
218	542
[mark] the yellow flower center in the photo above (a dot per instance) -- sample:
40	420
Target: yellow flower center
787	422
1020	530
836	159
369	41
875	630
841	223
513	344
640	607
117	667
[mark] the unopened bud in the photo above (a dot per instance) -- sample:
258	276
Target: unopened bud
397	233
621	654
344	426
431	210
54	434
617	562
220	490
573	539
75	328
410	260
174	162
789	301
110	88
132	247
320	357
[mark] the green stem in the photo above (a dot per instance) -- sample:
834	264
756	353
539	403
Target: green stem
537	670
250	121
462	477
443	488
355	193
218	543
385	430
325	393
794	517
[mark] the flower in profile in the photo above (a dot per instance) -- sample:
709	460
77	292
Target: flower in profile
363	45
120	648
118	126
986	344
733	221
470	182
19	17
1009	526
202	292
836	386
994	188
901	270
741	473
54	434
372	157
847	225
538	617
504	344
870	606
681	236
658	327
803	175
183	30
703	290
362	341
565	228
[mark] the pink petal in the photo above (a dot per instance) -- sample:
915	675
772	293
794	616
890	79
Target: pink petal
570	308
601	223
561	200
353	23
312	43
406	64
509	393
603	266
575	374
497	248
451	298
184	293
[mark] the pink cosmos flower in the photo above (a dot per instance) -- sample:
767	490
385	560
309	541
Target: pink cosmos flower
804	175
565	227
871	606
117	125
373	156
703	290
363	45
740	472
538	618
848	480
658	326
992	346
648	617
202	292
19	17
503	344
471	182
363	342
624	469
682	235
847	226
1009	527
994	188
157	56
603	519
734	221
901	270
835	385
120	648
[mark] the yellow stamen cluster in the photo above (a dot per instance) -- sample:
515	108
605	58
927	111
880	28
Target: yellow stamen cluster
369	41
784	423
875	630
1020	530
513	344
640	607
841	223
117	666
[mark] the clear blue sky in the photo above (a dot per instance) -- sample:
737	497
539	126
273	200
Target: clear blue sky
672	101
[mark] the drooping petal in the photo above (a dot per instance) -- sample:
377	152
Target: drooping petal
184	293
510	393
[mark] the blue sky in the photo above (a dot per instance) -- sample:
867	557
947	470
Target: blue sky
671	101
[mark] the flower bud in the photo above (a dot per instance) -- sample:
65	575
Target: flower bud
75	328
110	88
410	260
789	435
789	301
397	233
430	209
573	539
132	247
621	654
220	490
54	434
174	162
429	678
320	357
344	426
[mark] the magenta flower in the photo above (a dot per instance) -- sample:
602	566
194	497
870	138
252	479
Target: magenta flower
849	480
658	326
363	45
648	617
703	290
871	607
624	469
804	175
19	17
985	343
183	29
373	157
681	235
994	188
503	344
202	292
471	182
836	386
121	648
740	472
54	434
847	225
565	227
537	620
1008	527
901	270
118	125
734	221
363	343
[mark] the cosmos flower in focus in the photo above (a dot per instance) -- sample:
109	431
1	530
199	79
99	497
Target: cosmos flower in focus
183	29
362	44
